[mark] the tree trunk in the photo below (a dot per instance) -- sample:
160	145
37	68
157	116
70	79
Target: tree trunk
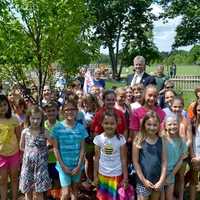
113	61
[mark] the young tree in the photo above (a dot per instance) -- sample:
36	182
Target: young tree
36	33
121	21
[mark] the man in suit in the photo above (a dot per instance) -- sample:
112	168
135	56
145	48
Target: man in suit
140	76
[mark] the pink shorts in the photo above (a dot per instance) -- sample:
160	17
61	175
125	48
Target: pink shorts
10	161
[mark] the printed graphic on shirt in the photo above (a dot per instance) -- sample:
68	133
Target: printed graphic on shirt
108	149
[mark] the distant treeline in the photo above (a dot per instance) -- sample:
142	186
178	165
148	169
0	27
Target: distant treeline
167	58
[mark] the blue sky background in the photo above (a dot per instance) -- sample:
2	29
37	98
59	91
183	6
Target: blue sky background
164	33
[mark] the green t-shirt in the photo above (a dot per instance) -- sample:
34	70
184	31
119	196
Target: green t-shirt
51	157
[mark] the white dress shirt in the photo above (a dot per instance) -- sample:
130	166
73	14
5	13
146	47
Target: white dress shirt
136	78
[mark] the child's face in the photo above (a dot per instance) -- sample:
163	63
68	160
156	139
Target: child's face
138	94
171	127
35	120
198	110
109	125
10	97
121	97
88	105
46	92
169	96
3	108
177	107
79	93
152	126
19	109
69	112
151	97
51	113
129	94
109	101
96	91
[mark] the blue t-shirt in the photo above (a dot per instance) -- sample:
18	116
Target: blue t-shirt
99	83
150	159
69	140
175	149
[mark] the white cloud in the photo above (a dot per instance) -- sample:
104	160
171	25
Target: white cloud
165	31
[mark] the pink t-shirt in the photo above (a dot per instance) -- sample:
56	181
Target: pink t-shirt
139	114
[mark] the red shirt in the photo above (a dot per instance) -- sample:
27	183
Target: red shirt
96	127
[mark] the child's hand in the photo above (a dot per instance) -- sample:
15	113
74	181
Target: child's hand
184	156
95	181
76	170
125	183
195	163
157	186
66	170
169	178
148	184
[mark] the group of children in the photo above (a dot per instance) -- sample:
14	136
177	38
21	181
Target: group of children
101	135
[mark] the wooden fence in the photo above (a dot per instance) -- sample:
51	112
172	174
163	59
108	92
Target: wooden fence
186	83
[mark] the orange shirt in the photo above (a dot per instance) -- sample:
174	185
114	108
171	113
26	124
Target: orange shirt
190	110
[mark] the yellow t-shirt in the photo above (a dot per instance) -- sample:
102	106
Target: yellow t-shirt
8	140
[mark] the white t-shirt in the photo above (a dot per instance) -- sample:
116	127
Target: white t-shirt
196	142
110	161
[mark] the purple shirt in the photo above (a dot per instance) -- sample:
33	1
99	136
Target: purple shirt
139	114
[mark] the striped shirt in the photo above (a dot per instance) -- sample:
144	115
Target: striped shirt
69	140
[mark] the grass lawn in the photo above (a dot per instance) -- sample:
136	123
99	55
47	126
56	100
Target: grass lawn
181	70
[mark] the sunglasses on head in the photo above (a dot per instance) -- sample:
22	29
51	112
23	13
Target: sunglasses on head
169	87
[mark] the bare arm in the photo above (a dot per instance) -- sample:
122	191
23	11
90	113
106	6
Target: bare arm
18	130
22	142
96	164
164	162
189	134
123	157
135	157
82	153
132	135
179	163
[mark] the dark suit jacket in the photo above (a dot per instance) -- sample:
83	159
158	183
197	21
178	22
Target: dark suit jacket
146	79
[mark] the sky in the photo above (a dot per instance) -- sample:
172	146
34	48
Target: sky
164	33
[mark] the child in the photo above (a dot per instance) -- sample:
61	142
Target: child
120	104
149	158
69	136
129	95
19	107
138	93
34	173
9	149
177	151
169	99
110	168
195	151
150	104
185	133
90	105
109	99
51	111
